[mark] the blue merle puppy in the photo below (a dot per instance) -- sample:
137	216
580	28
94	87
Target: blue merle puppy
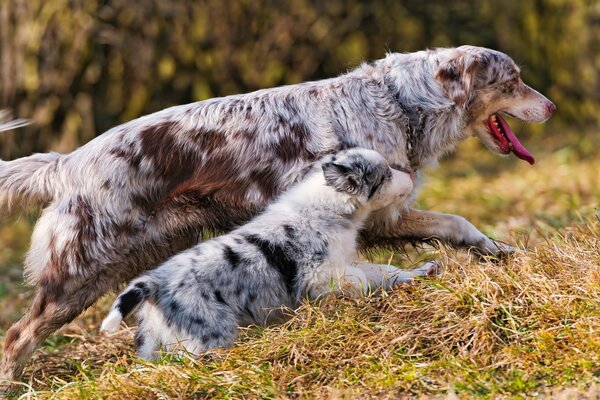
303	245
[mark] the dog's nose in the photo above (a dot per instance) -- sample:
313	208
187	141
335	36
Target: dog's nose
551	107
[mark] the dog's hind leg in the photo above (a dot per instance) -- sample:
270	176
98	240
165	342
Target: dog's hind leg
69	280
53	306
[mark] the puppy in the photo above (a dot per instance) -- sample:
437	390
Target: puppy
302	245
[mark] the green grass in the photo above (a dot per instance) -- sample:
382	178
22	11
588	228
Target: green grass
524	327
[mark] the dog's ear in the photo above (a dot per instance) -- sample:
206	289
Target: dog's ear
341	177
456	75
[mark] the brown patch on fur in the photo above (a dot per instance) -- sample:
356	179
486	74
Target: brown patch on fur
209	140
12	336
55	272
39	305
244	134
216	175
73	254
266	180
131	157
126	229
216	192
293	145
85	229
171	161
456	77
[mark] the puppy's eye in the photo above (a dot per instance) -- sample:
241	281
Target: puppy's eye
379	183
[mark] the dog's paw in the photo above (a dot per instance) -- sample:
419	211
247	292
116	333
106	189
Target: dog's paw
494	250
430	268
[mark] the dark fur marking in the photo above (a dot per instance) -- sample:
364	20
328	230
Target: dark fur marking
39	307
129	301
86	229
11	339
210	140
219	297
290	232
139	339
248	311
131	157
126	228
171	160
232	257
278	258
294	144
267	182
174	307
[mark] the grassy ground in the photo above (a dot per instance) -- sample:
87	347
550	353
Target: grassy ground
524	327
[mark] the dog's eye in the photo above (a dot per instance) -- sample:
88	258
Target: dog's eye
513	81
378	184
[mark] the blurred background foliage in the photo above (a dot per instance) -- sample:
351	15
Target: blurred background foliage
79	67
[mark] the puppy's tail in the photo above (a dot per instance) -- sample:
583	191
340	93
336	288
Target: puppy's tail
136	293
28	181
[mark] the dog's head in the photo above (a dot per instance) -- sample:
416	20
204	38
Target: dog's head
367	177
486	84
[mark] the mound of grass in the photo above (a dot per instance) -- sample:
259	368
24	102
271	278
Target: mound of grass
526	326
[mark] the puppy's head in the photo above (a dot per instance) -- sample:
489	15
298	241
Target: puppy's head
366	176
487	84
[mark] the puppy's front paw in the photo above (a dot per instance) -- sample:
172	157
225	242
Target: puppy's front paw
431	268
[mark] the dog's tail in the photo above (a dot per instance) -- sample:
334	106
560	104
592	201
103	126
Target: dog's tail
136	293
28	181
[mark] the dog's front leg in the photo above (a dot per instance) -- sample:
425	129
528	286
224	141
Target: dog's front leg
428	226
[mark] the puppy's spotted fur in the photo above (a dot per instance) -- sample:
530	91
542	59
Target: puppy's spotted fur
299	246
141	192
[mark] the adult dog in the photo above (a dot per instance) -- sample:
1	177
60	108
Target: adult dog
142	191
303	244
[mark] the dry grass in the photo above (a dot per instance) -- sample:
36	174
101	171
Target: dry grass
527	326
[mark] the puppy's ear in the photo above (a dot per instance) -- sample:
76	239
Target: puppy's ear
456	75
341	177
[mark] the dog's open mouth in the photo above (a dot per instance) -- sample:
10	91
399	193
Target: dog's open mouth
506	139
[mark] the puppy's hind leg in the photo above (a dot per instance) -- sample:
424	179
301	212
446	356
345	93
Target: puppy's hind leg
146	343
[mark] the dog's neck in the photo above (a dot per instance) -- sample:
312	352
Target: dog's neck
432	124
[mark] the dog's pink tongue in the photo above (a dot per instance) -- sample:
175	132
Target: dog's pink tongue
516	147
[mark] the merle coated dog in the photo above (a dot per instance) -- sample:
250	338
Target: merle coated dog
141	192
